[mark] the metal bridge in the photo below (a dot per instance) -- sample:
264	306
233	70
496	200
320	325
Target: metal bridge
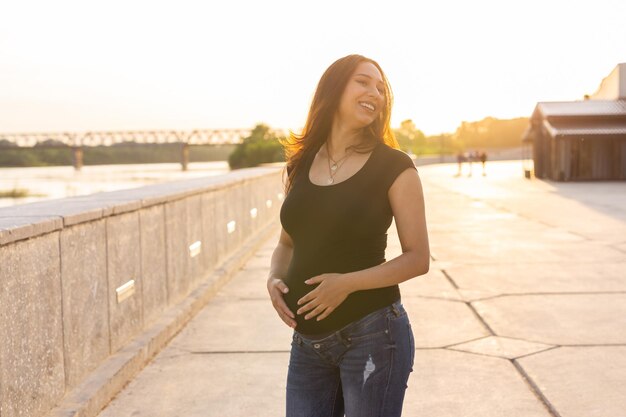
108	138
78	140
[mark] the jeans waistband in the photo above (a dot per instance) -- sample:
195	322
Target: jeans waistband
395	308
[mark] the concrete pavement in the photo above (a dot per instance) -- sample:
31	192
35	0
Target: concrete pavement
523	313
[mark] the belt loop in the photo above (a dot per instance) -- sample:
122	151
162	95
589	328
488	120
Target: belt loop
298	339
395	310
343	339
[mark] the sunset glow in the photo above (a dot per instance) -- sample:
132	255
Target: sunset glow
71	65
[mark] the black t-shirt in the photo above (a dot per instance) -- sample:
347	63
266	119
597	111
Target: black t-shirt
341	228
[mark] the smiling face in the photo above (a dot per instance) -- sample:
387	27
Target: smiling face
363	98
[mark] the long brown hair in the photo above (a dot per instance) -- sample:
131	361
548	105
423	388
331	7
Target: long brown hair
323	109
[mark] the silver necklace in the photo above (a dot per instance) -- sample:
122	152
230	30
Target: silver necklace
334	167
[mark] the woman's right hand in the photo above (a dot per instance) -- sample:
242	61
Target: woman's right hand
276	288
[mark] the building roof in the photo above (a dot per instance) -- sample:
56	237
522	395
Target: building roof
601	116
581	128
582	108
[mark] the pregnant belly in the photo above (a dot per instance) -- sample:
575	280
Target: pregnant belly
297	290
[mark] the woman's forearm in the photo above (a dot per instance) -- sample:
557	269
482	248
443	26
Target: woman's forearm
281	258
408	265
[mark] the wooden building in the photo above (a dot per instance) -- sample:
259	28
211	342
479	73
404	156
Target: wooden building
582	140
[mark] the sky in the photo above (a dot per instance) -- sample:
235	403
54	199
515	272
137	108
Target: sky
136	64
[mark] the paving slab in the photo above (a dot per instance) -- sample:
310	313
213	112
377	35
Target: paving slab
227	325
249	283
621	247
474	248
440	323
218	385
447	383
546	277
559	319
434	284
582	381
472	294
502	347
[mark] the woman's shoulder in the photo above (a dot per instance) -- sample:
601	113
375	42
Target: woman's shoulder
394	154
391	163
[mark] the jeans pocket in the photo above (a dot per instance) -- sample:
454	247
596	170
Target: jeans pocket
375	325
374	330
370	336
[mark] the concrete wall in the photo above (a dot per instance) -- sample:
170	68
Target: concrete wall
62	263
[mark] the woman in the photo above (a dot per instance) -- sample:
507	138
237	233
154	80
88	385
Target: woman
352	348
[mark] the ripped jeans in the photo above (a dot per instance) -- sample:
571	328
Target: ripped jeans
361	370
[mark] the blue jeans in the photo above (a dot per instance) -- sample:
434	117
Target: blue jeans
361	370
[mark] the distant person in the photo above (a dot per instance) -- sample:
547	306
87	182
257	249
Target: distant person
470	159
483	160
474	157
352	347
460	158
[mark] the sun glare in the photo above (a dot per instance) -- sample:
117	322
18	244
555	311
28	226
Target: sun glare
119	65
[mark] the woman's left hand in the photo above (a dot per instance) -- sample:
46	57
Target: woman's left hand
323	300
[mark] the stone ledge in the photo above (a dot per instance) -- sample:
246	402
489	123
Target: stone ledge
99	388
29	220
23	227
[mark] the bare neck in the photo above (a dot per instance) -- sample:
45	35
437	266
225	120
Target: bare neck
341	137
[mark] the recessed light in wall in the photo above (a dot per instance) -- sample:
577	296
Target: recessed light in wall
194	248
125	291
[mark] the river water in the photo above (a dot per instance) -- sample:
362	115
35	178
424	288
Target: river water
45	183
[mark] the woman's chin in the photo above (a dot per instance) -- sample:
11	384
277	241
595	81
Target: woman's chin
363	120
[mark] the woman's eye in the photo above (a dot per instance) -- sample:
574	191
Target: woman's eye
362	82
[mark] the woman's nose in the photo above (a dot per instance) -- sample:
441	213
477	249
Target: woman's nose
374	92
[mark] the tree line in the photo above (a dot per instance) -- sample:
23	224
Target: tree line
263	145
488	133
128	153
